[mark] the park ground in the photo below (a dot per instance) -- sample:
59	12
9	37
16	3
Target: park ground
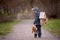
22	31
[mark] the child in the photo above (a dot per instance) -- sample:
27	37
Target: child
37	21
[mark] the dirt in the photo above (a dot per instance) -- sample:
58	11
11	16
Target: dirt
22	31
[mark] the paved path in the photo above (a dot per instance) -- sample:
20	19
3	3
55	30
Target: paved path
22	31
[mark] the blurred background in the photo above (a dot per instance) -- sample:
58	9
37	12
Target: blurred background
11	10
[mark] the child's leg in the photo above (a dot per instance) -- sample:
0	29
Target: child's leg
39	30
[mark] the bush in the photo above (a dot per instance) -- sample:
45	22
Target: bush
5	28
53	26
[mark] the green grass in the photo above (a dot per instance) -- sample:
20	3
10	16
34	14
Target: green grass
5	28
53	26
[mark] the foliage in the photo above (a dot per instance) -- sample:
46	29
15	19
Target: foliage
3	12
53	26
5	28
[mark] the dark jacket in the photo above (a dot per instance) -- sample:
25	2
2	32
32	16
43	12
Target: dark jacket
37	20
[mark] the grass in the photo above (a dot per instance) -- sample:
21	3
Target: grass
53	26
5	28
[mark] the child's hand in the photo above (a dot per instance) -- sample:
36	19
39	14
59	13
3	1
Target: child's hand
34	25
